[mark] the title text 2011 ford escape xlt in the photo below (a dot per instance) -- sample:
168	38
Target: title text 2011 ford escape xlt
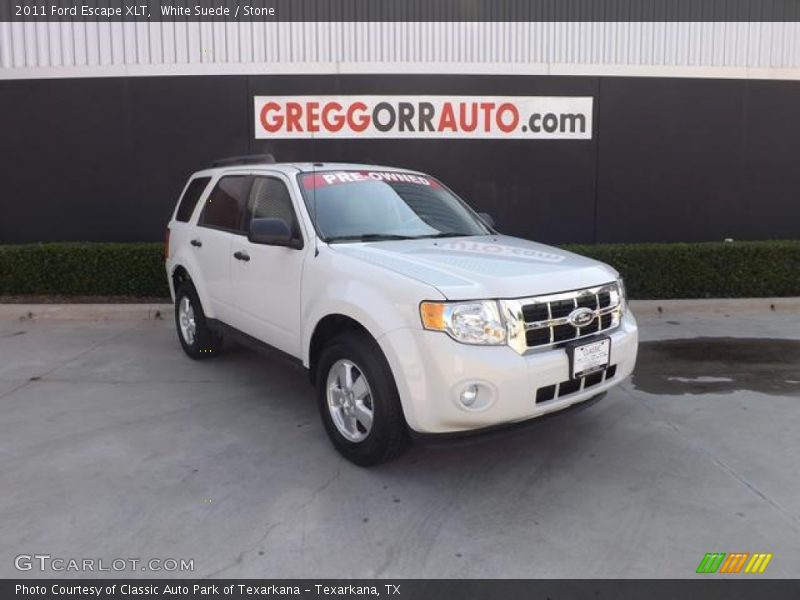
409	310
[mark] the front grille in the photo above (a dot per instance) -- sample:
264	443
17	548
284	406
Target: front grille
562	333
561	308
535	312
571	386
544	320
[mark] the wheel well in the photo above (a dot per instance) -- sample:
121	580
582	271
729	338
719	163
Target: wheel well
179	275
327	329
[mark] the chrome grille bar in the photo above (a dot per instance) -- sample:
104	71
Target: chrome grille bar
565	321
532	325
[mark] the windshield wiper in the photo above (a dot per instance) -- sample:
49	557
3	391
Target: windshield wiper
368	237
446	234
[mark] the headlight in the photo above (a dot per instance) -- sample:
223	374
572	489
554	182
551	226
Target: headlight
465	322
623	298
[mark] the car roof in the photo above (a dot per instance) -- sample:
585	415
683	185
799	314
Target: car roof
300	167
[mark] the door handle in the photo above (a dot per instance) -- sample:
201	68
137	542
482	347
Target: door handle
196	243
239	255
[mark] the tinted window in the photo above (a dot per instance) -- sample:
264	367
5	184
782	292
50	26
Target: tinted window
270	199
224	208
190	198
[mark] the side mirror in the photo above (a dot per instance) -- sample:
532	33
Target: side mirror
487	218
272	232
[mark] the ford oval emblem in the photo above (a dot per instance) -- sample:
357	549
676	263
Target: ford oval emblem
581	317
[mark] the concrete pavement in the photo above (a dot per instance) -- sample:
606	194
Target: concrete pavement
113	444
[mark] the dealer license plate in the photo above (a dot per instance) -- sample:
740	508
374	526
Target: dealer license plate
589	356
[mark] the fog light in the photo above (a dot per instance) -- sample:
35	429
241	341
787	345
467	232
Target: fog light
469	395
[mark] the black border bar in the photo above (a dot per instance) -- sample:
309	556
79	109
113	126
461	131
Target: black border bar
405	10
708	587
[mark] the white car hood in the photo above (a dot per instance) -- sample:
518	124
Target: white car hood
477	267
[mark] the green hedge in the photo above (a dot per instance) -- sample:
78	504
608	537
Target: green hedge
706	270
83	269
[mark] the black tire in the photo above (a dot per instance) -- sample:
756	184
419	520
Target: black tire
388	436
206	343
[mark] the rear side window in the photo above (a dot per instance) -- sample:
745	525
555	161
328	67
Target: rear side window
190	198
224	208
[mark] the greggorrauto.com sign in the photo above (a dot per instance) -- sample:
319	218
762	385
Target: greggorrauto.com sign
486	117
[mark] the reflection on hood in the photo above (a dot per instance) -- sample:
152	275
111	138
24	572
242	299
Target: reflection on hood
483	266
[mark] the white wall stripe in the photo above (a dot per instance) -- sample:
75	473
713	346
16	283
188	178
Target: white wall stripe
692	49
381	68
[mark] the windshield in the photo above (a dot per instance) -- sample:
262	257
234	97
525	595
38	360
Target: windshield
381	205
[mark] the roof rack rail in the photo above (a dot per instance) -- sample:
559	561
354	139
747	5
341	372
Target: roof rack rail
250	159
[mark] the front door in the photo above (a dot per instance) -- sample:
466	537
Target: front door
266	279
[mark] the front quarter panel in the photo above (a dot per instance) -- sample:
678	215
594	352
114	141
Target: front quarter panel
379	299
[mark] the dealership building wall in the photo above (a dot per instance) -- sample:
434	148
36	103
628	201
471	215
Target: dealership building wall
695	128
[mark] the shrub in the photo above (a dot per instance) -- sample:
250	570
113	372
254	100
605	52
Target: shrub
83	269
703	270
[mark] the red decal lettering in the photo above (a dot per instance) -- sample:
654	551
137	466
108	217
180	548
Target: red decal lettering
509	108
276	123
462	116
312	117
487	108
293	114
358	122
448	119
336	122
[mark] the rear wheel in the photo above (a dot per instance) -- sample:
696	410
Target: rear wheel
358	400
197	339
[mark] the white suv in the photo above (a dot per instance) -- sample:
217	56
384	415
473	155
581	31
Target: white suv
408	309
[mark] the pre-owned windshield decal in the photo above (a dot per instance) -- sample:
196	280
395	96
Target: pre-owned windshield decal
329	178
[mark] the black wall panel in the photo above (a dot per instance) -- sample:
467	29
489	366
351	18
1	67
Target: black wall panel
698	160
62	158
770	169
670	159
105	159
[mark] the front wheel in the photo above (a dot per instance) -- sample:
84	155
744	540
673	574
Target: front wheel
358	400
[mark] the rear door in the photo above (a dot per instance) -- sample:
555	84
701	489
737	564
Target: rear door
220	222
265	280
181	229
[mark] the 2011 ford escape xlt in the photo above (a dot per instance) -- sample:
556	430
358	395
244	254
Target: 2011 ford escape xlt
408	309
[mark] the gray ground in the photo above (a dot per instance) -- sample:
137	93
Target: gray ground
113	444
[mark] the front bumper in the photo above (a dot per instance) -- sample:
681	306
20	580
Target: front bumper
431	370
